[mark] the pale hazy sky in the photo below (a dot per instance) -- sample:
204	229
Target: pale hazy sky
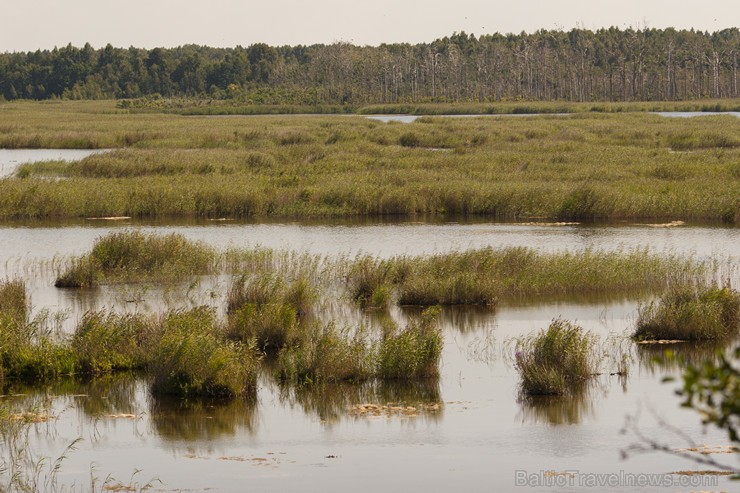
27	26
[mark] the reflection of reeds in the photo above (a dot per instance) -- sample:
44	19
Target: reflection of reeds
557	410
334	401
669	357
196	421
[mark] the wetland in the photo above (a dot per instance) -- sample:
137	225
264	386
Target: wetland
368	296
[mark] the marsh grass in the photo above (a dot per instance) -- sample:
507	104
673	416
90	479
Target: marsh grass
691	312
485	276
133	255
192	358
268	309
329	354
556	361
13	301
589	166
106	342
414	352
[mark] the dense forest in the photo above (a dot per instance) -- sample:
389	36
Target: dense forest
577	65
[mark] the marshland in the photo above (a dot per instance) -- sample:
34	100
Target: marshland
291	298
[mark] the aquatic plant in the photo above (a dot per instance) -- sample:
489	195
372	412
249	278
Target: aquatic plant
130	254
413	352
13	302
690	312
106	342
192	358
557	360
268	309
327	353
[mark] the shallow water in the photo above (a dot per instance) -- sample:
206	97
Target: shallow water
10	159
477	441
413	118
469	431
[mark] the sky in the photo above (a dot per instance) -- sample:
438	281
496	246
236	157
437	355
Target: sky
44	24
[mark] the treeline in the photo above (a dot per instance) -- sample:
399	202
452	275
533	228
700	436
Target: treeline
578	65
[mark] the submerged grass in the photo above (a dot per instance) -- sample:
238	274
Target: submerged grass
586	166
691	312
128	255
556	361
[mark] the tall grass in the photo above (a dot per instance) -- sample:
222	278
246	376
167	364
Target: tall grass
485	276
691	312
330	354
125	255
586	166
268	309
193	359
106	342
13	302
556	361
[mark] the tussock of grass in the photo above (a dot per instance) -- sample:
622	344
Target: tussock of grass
556	361
268	309
193	359
414	352
125	255
106	342
330	354
690	312
13	302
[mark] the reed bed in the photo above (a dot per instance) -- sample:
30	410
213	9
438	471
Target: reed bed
585	166
485	276
691	312
556	361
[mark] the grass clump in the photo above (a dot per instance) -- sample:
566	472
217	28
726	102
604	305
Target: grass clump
413	352
192	358
133	255
370	281
556	361
268	309
27	351
328	354
690	312
110	342
13	302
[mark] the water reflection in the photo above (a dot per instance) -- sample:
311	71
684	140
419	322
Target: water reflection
175	420
333	402
672	357
558	410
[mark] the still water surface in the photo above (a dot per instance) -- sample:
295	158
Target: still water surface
471	431
10	159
